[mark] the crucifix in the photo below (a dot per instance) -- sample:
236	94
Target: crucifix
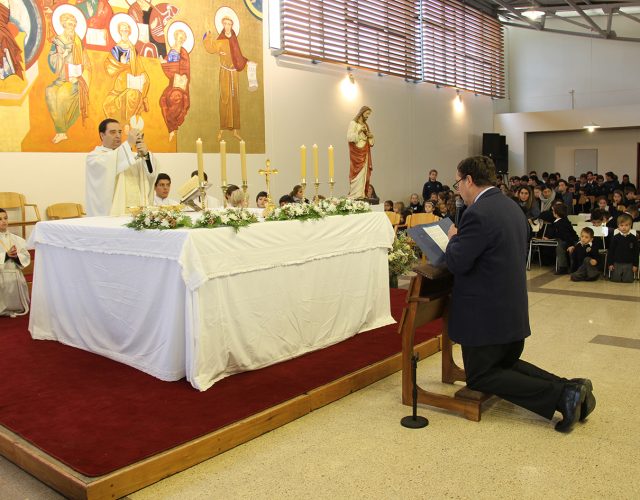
268	172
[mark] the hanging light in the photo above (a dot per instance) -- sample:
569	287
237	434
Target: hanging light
591	126
533	15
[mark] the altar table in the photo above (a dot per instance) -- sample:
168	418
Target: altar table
208	303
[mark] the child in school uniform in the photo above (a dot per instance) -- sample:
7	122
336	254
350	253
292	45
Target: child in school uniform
562	231
623	253
585	257
14	294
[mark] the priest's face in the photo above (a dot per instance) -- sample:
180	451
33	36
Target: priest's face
112	137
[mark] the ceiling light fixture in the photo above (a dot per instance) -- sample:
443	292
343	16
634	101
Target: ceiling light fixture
591	126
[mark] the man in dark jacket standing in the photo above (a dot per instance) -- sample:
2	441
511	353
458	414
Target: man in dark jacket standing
489	314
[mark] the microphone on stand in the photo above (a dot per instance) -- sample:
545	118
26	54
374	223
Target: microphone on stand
459	210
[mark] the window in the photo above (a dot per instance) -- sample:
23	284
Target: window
440	41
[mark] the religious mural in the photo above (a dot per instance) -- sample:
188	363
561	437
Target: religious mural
178	70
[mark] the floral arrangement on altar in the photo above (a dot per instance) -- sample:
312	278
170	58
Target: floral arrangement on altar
158	218
331	206
231	217
401	258
299	211
344	206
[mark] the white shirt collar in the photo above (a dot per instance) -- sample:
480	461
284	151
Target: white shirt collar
481	193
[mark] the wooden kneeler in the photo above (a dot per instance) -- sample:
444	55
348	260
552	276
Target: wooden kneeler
428	300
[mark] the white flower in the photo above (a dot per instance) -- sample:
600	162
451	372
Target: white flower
165	223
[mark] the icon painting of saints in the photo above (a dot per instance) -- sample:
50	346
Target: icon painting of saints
67	97
127	99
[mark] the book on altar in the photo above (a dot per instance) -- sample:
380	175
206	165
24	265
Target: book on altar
191	189
74	70
432	239
135	82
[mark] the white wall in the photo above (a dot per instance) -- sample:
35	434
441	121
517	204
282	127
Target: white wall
543	67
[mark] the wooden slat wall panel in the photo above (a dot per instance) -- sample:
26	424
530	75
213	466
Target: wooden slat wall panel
439	41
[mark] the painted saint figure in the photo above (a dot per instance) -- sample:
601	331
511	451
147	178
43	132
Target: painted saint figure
231	62
360	143
155	19
175	100
10	60
128	97
67	97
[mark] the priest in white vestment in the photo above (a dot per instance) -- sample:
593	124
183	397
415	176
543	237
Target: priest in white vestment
14	293
116	177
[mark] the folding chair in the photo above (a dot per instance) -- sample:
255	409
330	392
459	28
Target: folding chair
536	244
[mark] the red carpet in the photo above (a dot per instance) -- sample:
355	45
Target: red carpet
97	415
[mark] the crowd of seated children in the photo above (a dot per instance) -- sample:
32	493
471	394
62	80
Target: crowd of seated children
622	256
14	294
586	259
562	231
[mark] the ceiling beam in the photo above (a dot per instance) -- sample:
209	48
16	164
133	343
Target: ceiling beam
568	8
629	16
574	33
570	21
587	18
533	24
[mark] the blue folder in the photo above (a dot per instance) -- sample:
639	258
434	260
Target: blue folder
430	248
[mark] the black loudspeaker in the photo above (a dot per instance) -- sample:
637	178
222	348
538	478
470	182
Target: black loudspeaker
502	161
491	145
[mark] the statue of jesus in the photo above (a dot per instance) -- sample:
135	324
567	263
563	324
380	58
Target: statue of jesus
360	143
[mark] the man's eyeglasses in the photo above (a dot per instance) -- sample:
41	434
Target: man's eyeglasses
455	184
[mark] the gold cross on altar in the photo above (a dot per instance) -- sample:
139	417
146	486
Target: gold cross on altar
268	172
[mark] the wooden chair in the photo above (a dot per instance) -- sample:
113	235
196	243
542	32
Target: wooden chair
17	201
417	219
65	211
395	219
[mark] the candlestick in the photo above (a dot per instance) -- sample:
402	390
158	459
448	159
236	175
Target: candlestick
243	163
331	183
303	161
200	160
315	161
331	169
223	162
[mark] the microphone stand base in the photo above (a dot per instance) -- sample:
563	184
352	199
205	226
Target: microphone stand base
412	422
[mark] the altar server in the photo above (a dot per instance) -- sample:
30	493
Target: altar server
116	177
162	187
14	294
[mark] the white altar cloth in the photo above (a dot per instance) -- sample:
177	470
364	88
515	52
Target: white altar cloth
207	303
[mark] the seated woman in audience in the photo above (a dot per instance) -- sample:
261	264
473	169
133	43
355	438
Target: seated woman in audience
371	195
525	200
415	207
14	294
388	206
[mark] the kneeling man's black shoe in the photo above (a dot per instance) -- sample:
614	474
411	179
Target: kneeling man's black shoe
589	401
573	395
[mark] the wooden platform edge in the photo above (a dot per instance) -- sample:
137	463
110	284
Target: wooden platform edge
153	469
